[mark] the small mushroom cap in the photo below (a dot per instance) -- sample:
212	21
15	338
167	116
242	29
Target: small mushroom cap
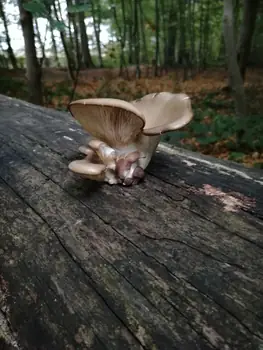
164	112
84	167
113	121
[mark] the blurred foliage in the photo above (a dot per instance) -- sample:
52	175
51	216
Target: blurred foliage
203	38
14	87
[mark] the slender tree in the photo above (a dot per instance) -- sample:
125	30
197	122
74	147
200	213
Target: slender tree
10	51
33	69
171	36
43	58
87	60
192	31
70	62
235	79
121	33
157	36
96	17
75	34
137	45
246	34
131	40
54	47
201	34
206	33
145	55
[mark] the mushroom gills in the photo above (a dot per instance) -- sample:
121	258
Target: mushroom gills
126	134
117	123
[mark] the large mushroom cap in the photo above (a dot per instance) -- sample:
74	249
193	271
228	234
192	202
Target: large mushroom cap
112	121
164	112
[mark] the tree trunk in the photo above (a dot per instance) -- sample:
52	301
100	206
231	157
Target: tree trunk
236	9
54	47
164	31
96	26
192	33
71	18
67	38
87	60
124	36
145	56
137	45
157	34
10	51
76	40
201	35
33	69
121	32
41	44
70	62
54	44
206	34
75	35
171	36
235	79
182	47
130	32
3	60
246	34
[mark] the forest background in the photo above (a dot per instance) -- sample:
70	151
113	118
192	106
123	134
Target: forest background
55	51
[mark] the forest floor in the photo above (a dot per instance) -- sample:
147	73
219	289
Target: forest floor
213	128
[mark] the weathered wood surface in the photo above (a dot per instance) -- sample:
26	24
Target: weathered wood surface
173	263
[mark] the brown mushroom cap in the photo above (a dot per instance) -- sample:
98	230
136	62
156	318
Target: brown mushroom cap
164	112
113	121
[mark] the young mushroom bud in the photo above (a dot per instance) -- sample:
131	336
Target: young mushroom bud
126	134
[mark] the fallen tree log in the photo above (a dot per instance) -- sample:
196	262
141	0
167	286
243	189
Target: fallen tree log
175	262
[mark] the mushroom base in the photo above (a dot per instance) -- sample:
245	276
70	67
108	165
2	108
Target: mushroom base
123	166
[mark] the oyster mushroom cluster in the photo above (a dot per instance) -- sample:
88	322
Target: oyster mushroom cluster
125	134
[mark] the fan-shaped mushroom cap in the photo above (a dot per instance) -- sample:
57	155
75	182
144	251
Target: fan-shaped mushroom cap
113	121
164	112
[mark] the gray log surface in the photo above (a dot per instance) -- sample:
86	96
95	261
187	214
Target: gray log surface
175	262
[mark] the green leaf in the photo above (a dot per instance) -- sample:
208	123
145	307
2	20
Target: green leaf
78	8
258	165
207	140
198	128
237	156
174	137
36	7
231	145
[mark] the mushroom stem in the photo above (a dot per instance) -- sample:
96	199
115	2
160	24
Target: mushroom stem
86	150
116	165
104	152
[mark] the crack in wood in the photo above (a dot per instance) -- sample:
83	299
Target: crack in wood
159	282
73	259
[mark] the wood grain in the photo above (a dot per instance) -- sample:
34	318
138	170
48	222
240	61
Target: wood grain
173	263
